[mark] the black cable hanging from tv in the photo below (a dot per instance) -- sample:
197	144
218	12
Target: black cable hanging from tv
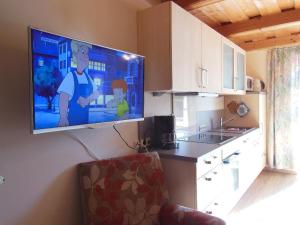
114	126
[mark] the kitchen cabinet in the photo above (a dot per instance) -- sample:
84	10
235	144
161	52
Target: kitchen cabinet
240	70
190	183
186	71
234	68
181	53
255	118
217	180
249	162
211	60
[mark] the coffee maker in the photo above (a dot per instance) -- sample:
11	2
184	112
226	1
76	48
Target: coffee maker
164	132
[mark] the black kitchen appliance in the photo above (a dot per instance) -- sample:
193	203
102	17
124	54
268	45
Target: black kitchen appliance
164	132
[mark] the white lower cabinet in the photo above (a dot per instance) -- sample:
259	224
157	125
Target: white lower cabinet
208	185
216	182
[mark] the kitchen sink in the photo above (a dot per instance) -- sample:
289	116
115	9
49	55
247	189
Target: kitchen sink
208	138
235	130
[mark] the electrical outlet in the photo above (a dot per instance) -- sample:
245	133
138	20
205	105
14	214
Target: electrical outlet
2	179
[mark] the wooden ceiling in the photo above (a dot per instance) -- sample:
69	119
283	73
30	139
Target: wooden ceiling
252	24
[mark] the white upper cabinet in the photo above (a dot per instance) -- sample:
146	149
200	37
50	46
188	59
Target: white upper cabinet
170	39
234	71
211	60
240	70
186	50
182	54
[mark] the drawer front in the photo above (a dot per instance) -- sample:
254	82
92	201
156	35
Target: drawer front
208	162
241	144
214	209
209	186
232	147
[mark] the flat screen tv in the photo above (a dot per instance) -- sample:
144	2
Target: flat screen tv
75	84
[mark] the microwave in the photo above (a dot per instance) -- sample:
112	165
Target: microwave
249	83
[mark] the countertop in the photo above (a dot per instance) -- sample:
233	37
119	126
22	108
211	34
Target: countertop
192	151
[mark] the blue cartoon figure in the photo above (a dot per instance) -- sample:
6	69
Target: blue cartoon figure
119	101
77	89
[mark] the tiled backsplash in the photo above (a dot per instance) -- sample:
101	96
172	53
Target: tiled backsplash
191	112
194	113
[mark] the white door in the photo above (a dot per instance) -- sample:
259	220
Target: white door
211	60
186	50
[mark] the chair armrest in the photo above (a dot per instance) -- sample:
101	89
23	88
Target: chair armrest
171	214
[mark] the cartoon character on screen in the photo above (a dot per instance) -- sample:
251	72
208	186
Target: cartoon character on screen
119	90
77	89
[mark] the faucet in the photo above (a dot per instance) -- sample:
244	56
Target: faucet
222	122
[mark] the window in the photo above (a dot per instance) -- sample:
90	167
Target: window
102	67
94	65
90	64
97	81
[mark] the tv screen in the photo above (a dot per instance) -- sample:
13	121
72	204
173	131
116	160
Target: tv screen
75	83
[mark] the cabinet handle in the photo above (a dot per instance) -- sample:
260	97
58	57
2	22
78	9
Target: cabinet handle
206	78
202	78
208	178
207	161
199	76
246	140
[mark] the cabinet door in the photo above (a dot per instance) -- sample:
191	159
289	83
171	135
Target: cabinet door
186	50
240	67
228	65
211	60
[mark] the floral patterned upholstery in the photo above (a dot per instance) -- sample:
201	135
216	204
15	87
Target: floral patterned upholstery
171	214
130	190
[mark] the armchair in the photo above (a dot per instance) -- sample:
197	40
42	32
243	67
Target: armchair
131	190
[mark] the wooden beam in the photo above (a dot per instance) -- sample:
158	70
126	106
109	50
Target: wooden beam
260	22
194	4
271	42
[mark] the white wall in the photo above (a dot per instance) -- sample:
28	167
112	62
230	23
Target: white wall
41	179
256	65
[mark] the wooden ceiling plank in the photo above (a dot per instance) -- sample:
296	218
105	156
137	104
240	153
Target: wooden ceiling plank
261	7
297	4
271	43
260	22
233	11
286	4
206	19
194	4
272	6
248	7
217	12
